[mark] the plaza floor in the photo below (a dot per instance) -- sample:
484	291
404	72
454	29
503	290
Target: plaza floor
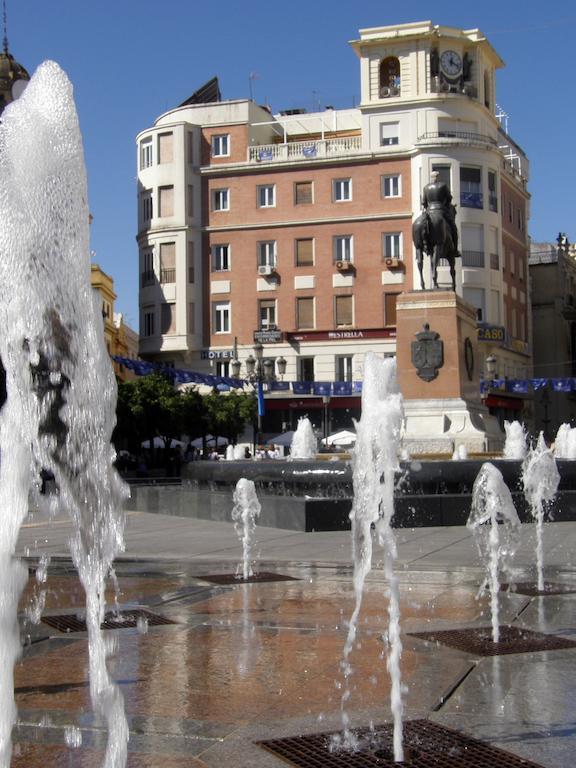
248	662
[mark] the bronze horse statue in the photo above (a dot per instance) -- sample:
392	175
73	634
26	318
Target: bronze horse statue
431	234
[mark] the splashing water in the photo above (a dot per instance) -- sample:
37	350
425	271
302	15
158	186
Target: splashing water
460	453
541	479
565	442
304	443
375	462
55	417
495	526
245	512
515	443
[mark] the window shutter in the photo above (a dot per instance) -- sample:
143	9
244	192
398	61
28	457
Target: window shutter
165	148
343	310
305	313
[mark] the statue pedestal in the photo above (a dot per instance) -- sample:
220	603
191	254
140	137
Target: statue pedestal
439	376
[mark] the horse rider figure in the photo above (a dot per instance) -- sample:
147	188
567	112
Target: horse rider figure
434	231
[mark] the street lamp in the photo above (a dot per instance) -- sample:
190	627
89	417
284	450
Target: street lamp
326	404
281	363
491	363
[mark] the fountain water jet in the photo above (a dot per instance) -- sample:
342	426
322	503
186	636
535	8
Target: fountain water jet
541	479
304	443
515	443
56	417
375	462
565	442
245	512
495	526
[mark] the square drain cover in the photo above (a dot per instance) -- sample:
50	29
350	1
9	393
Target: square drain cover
478	640
426	745
232	578
120	620
530	588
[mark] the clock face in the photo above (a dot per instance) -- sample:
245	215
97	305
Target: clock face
451	63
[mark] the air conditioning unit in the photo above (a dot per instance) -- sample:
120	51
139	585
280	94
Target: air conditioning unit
265	270
344	266
394	263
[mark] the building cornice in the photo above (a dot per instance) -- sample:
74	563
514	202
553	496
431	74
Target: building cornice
309	222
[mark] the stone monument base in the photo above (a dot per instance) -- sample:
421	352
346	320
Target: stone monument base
441	426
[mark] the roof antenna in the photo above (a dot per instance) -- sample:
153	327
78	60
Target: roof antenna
5	41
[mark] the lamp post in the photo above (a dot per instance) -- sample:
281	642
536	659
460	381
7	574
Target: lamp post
491	363
326	405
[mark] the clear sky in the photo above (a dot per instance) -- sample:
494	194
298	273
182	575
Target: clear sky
131	60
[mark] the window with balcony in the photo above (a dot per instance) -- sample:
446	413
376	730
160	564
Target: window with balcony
167	263
165	201
147	206
342	190
303	193
221	317
221	200
148	321
344	368
343	311
343	248
168	319
267	253
392	245
444	174
304	313
494	250
148	276
221	257
305	252
266	196
146	153
165	148
471	187
392	186
472	245
305	369
492	192
389	77
220	145
389	134
267	314
390	308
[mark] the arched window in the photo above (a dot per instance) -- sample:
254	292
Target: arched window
389	77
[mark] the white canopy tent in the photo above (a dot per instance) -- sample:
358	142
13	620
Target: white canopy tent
343	438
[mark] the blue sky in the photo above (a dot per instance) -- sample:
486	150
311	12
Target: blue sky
130	60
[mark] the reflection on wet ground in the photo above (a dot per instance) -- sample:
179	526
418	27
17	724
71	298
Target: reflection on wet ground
262	660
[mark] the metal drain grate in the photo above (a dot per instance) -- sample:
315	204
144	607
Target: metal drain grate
232	578
530	588
122	620
478	640
426	745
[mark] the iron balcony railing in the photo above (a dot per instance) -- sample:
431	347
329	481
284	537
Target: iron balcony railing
472	258
466	137
168	275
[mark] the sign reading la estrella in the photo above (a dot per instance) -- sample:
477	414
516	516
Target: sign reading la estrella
491	333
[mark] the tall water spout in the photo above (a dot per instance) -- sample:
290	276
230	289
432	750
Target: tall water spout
541	479
245	512
565	442
304	443
375	462
495	526
515	443
56	416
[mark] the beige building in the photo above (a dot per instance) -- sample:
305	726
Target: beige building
295	229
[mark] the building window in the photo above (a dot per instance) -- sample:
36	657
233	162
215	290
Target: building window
471	188
221	145
343	311
148	276
444	174
221	317
167	262
510	211
305	252
389	134
342	190
165	148
473	245
147	206
267	253
492	192
391	186
190	257
145	153
304	313
306	369
343	248
221	258
266	196
267	314
220	200
344	368
222	367
392	245
303	193
168	319
166	201
390	308
389	77
148	321
476	297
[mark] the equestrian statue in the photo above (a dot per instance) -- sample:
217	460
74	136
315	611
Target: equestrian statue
434	232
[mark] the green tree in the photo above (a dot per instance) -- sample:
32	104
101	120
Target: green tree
228	413
148	407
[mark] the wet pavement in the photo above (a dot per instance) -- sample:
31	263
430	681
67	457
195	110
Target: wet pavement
246	662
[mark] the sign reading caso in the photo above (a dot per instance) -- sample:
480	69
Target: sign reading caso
491	333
